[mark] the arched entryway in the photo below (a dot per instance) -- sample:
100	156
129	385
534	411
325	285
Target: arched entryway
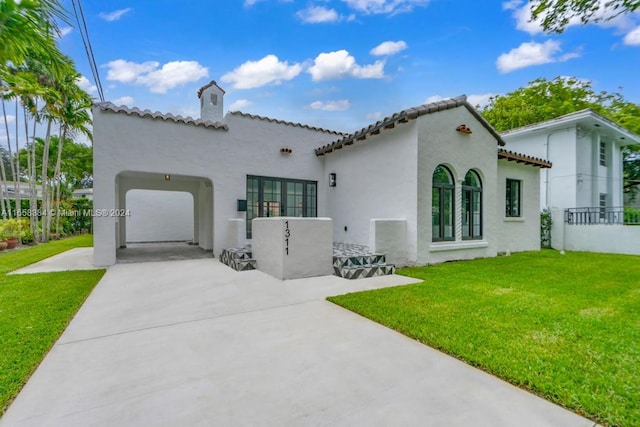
162	216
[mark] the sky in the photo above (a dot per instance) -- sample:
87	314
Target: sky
338	64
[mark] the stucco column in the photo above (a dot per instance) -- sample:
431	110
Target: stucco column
104	227
122	220
458	209
196	216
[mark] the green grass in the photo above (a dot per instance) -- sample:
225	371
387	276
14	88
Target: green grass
565	327
35	309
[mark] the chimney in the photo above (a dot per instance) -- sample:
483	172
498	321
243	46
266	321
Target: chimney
211	106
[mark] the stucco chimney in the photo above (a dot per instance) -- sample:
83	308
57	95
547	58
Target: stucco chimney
211	102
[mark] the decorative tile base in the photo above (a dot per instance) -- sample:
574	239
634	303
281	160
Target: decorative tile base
361	272
238	258
353	261
350	261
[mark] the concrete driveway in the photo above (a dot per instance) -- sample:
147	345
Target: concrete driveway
194	343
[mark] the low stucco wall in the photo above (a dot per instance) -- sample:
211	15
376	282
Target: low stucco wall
615	239
389	237
292	248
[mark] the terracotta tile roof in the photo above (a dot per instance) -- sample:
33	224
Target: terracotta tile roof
208	85
108	106
282	122
523	158
403	117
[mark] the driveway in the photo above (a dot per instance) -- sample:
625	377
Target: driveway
194	343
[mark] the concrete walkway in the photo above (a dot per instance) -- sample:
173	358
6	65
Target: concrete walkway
73	259
194	343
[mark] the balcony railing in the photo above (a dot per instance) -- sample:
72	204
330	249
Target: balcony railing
592	216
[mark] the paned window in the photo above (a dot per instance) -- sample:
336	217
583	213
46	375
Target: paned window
472	206
513	198
442	205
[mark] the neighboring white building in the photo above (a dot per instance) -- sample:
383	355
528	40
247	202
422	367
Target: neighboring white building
428	184
83	193
585	185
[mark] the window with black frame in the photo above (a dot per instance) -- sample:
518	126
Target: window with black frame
442	205
270	196
513	198
472	206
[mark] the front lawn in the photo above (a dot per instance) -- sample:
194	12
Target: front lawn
35	309
565	327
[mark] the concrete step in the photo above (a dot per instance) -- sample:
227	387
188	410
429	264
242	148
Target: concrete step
238	258
358	260
363	271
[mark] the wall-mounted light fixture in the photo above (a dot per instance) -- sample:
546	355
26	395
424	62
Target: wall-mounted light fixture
167	177
286	150
332	180
464	129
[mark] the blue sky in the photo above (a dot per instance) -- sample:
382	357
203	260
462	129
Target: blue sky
339	64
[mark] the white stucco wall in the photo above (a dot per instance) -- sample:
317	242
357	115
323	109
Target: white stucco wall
221	158
439	143
376	178
292	248
558	185
159	216
615	239
521	233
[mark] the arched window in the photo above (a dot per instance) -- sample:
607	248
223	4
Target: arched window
472	206
442	205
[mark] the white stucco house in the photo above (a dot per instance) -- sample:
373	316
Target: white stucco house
584	189
428	184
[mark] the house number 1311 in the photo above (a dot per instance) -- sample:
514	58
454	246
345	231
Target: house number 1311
287	234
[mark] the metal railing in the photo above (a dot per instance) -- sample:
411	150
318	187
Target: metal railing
598	215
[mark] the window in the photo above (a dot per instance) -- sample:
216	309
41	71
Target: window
442	205
267	197
603	205
472	207
214	99
513	198
603	153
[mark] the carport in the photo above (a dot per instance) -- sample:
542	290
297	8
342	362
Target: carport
200	209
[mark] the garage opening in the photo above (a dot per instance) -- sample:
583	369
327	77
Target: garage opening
167	217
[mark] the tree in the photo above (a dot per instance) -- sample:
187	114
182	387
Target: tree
76	163
556	14
544	100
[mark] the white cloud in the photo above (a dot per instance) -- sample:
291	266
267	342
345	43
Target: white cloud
317	15
384	6
158	80
268	70
388	48
434	98
532	53
128	72
10	118
84	84
374	116
633	37
64	31
481	99
115	15
338	105
239	104
339	64
124	100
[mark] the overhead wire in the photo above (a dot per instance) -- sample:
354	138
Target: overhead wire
84	34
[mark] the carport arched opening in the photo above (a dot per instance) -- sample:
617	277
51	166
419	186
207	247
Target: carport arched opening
164	216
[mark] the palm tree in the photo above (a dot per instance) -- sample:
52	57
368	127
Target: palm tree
27	27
